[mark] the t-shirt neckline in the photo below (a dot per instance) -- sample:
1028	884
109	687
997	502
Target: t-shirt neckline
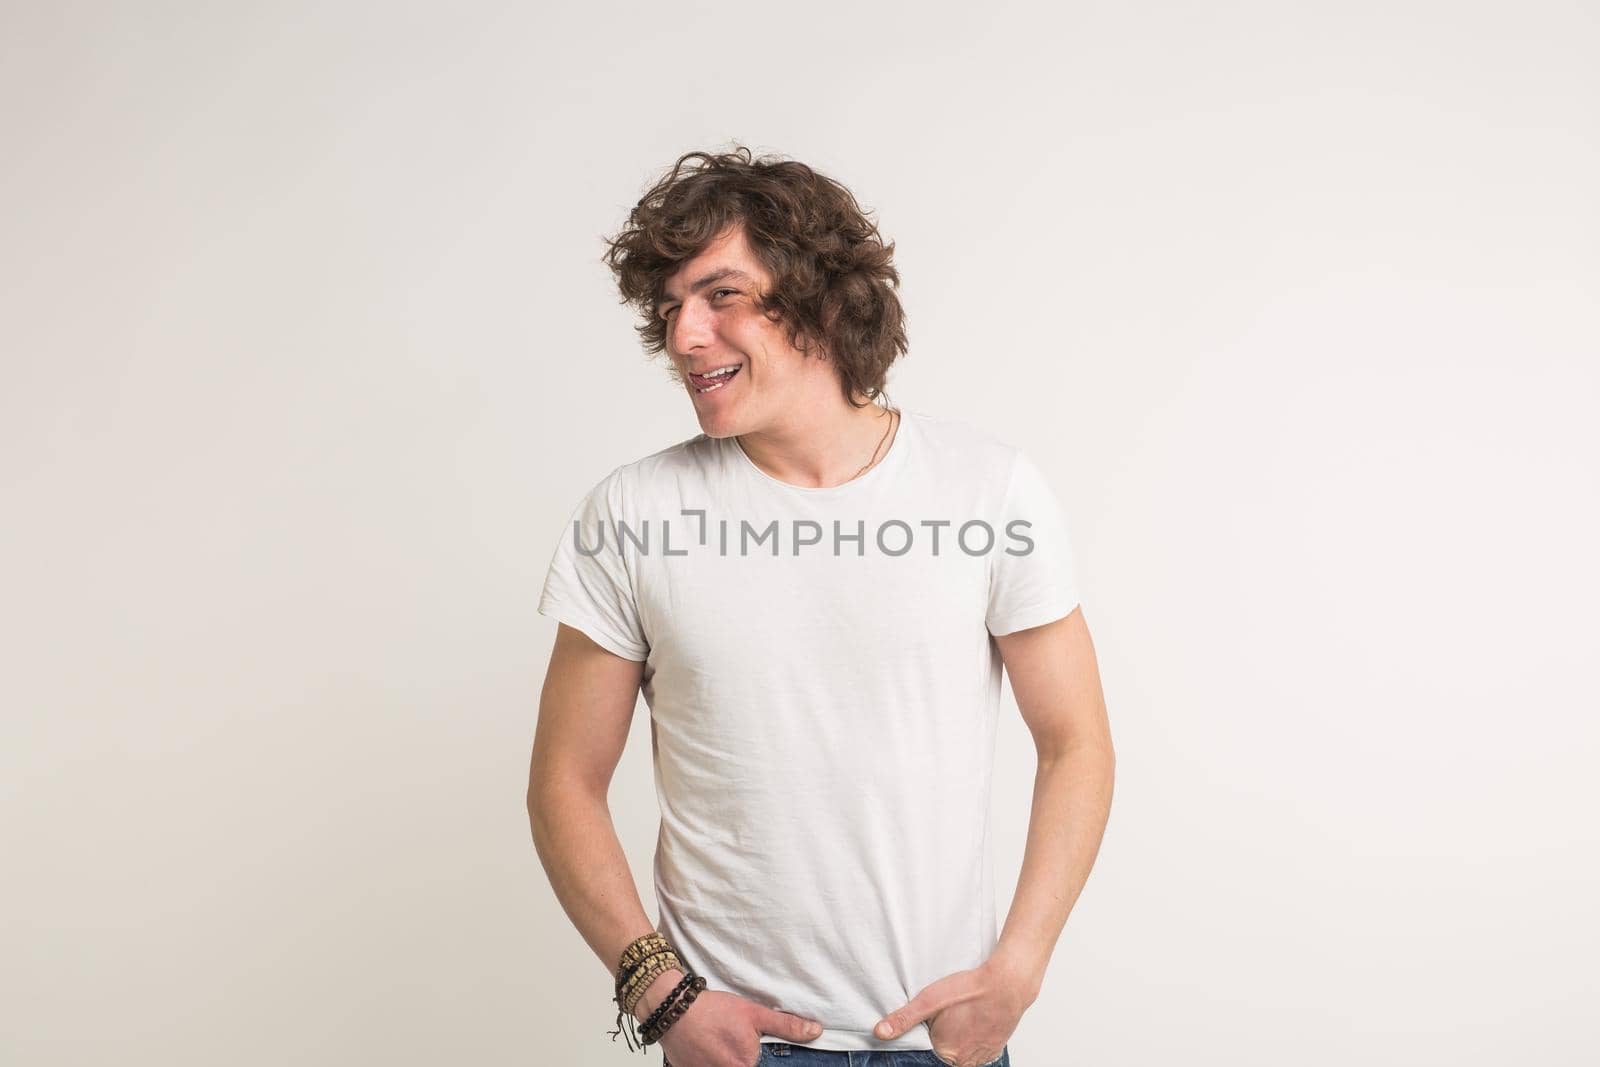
892	458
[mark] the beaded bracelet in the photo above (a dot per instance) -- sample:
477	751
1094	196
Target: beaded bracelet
638	955
666	1003
642	947
627	1023
672	1008
632	986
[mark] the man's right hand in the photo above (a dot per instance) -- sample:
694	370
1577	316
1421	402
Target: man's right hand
722	1029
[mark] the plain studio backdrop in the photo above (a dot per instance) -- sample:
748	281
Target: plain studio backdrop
309	355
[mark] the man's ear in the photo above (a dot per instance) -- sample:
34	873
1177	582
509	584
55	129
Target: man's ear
812	347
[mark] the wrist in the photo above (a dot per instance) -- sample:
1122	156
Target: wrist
656	992
1018	974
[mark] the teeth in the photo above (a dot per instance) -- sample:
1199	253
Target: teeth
722	373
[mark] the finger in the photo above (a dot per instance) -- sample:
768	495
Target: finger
929	1001
902	1019
789	1027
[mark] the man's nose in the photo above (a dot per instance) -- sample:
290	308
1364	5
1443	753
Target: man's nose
691	327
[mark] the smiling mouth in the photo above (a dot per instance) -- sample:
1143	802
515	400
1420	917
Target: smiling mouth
710	383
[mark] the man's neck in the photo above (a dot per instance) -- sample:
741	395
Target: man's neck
826	448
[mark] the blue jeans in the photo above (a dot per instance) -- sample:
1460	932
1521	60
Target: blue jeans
778	1054
781	1055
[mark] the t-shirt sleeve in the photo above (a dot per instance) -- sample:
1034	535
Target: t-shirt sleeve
1033	576
588	586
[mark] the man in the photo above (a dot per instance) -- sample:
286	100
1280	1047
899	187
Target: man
817	595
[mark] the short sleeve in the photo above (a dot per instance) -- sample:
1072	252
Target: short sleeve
1033	576
588	586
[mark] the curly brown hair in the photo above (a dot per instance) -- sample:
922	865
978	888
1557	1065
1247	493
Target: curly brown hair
833	277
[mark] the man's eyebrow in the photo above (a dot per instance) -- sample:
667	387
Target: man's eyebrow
720	274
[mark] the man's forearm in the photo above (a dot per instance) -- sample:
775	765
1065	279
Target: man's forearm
1071	803
577	843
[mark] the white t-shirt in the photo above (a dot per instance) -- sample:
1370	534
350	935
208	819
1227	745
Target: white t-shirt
824	692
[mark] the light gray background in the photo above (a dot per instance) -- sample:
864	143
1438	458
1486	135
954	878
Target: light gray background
309	355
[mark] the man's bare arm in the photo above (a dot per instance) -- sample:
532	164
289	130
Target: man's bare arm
1057	685
585	712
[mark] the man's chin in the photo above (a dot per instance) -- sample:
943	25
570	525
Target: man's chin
713	426
714	423
716	419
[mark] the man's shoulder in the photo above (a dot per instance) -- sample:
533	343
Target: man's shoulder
689	453
669	464
953	428
956	441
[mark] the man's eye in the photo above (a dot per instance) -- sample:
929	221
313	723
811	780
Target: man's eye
666	313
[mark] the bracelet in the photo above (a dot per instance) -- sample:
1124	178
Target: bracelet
633	985
674	1006
666	1003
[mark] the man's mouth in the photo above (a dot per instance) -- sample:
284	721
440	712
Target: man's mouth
715	379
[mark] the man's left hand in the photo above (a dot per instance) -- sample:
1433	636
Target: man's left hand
970	1014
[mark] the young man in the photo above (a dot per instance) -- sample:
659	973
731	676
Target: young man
817	595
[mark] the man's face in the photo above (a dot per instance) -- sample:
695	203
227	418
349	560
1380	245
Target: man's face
713	322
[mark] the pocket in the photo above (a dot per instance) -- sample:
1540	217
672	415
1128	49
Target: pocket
996	1062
